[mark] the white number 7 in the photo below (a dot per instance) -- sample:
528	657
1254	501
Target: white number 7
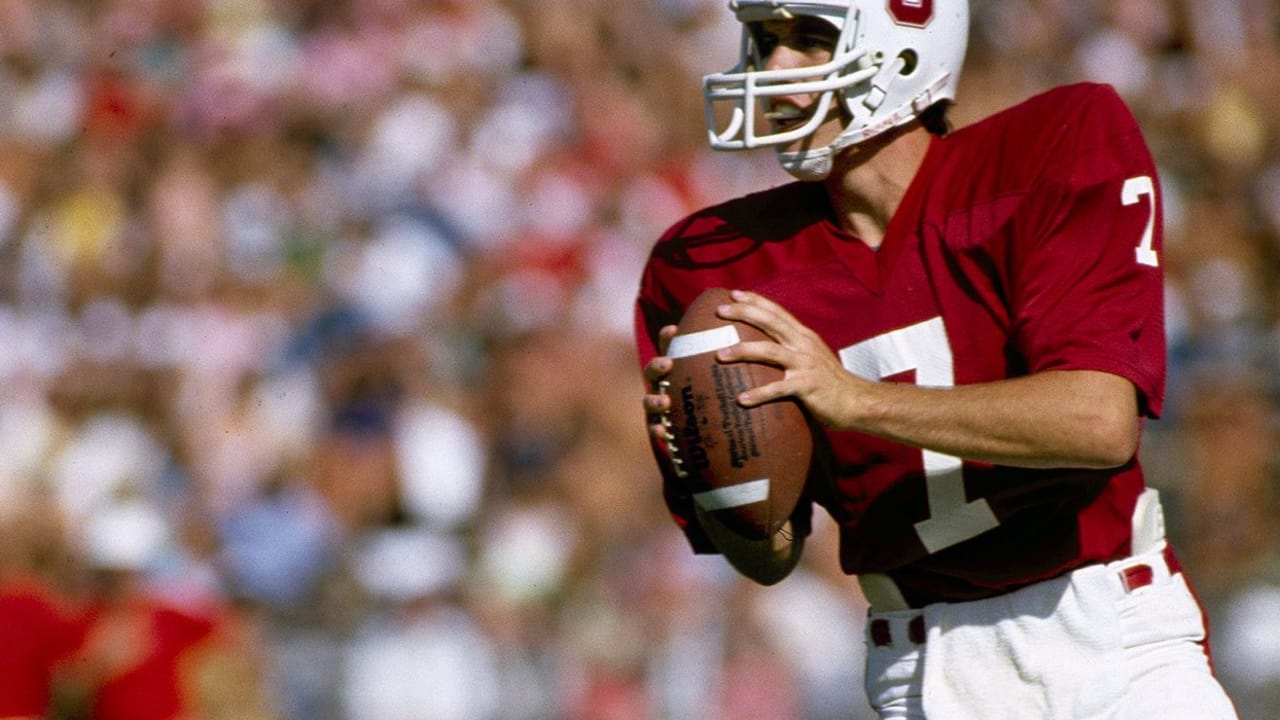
1134	188
924	347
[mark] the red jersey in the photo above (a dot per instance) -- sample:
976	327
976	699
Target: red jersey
36	634
157	684
1027	242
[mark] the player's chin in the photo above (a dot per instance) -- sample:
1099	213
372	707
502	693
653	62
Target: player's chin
795	146
823	135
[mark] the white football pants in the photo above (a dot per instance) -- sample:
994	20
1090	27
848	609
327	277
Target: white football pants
1121	641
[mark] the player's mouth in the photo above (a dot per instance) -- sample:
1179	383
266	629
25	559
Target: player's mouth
785	116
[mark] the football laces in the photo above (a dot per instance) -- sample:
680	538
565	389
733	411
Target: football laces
673	449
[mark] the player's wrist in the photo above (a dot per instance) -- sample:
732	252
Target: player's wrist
855	405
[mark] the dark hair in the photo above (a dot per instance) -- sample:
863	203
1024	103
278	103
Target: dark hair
934	118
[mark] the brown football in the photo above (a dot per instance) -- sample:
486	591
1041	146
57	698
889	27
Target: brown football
749	465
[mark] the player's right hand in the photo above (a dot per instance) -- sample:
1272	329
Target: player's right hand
656	402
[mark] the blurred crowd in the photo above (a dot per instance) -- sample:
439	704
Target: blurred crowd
317	393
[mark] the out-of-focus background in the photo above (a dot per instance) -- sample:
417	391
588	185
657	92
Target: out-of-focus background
317	394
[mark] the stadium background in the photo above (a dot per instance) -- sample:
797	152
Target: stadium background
315	321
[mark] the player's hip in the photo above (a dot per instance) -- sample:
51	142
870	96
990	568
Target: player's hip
1092	644
1109	640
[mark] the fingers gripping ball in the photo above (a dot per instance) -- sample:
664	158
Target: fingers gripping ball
748	465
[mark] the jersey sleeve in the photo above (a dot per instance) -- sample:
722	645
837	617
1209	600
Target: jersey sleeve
1087	283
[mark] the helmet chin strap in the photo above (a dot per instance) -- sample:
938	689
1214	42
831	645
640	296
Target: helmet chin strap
808	165
816	163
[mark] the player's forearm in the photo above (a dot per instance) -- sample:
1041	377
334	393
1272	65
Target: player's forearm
1054	419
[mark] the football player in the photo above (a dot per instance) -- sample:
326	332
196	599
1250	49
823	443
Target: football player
974	317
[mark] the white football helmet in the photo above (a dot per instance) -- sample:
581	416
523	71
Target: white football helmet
892	60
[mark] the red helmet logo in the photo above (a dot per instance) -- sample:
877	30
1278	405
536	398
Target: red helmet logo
914	13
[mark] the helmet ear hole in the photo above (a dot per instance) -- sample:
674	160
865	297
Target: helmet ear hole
909	62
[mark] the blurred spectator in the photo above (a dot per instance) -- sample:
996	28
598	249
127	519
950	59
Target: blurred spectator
145	656
37	630
422	658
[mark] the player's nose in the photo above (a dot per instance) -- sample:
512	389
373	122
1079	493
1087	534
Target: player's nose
784	57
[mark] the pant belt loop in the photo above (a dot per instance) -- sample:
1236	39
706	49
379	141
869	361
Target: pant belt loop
883	633
1136	576
1140	575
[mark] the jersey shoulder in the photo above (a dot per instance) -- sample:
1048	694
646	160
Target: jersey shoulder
1048	132
1072	114
726	229
737	243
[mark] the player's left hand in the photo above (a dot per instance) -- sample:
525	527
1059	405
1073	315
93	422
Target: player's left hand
812	372
656	402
